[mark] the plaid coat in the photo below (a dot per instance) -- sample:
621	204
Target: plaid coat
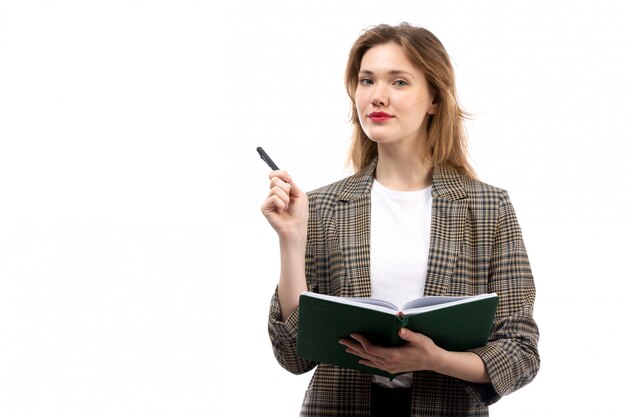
475	247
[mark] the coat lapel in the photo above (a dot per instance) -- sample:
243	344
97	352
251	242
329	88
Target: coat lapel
353	225
449	213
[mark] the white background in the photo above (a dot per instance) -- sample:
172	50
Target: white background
135	267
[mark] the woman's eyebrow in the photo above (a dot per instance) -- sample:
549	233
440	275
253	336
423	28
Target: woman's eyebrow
391	72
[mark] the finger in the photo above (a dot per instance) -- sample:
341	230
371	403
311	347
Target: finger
362	354
365	358
406	334
280	174
279	182
367	347
412	337
273	204
352	347
284	175
280	193
372	364
375	364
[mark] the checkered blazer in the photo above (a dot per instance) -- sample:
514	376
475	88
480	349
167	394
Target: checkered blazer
475	247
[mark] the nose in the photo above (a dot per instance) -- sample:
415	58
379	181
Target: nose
380	96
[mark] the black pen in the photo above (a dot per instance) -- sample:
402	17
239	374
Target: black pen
267	159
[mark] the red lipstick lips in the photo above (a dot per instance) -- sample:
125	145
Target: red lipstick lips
379	116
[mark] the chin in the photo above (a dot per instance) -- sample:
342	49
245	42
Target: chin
377	137
381	139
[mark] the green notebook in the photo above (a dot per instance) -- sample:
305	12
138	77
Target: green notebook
454	323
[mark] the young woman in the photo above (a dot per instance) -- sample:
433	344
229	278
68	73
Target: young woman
412	221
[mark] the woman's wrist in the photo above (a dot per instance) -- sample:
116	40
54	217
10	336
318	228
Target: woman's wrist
293	242
466	366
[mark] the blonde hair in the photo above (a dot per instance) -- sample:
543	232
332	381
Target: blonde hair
446	140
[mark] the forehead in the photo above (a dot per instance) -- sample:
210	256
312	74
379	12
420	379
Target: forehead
385	58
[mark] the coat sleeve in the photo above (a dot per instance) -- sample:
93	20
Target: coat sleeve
511	356
283	334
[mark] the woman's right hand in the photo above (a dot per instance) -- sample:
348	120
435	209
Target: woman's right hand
286	207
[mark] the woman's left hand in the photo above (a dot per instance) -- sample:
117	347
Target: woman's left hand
419	353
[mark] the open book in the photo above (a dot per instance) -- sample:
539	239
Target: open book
454	323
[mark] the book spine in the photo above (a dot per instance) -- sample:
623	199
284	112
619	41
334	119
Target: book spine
402	319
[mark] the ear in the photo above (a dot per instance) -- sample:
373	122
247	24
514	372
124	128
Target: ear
433	105
432	109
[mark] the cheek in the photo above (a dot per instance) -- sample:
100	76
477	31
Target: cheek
361	104
359	99
420	107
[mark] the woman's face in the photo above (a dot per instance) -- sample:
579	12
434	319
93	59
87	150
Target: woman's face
392	97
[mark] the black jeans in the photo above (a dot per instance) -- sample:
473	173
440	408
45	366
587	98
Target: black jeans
390	402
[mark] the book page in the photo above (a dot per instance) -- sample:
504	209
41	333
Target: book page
436	302
375	302
371	303
429	301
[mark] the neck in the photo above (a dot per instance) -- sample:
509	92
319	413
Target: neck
402	169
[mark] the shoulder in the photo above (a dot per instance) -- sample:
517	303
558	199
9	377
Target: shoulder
330	190
480	191
453	185
333	190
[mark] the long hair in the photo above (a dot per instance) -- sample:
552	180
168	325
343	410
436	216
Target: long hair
446	140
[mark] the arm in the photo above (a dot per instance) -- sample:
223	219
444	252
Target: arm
511	356
292	281
286	209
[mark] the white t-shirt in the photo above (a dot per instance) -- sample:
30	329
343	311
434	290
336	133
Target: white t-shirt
400	238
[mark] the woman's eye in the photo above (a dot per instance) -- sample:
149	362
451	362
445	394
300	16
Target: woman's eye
401	83
366	81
